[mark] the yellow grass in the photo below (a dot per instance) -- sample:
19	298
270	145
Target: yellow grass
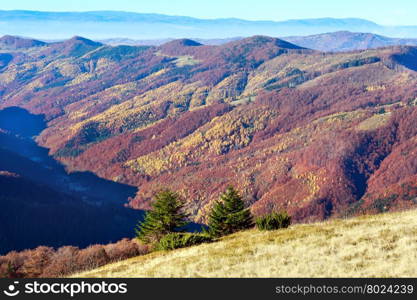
371	246
374	122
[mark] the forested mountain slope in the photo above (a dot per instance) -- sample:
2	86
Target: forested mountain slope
317	134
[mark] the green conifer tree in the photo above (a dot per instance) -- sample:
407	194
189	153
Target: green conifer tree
164	217
229	215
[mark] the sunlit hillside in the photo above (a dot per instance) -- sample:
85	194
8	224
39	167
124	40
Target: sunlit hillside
315	134
383	245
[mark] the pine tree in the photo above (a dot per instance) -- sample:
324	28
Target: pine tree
229	215
217	220
164	217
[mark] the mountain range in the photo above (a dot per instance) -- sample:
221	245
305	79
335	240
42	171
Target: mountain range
347	41
115	24
317	134
338	41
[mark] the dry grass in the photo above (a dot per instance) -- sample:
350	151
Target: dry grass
374	122
371	246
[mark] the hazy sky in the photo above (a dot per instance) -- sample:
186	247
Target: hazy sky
398	12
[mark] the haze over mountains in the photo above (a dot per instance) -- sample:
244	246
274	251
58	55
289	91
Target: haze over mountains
115	24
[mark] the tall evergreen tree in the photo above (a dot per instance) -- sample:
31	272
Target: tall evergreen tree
217	220
229	215
164	217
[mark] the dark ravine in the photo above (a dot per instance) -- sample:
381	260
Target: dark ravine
49	205
22	127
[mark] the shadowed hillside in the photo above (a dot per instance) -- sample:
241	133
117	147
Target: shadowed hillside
34	214
43	205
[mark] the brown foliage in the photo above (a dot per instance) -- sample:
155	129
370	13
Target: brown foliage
46	262
125	249
63	261
37	261
92	257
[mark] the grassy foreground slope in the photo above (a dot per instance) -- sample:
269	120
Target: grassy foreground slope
382	245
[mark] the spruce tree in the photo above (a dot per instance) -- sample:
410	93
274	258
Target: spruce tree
217	220
164	217
229	215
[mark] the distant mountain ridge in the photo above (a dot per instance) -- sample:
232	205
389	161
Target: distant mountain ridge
110	24
14	42
158	42
347	41
339	41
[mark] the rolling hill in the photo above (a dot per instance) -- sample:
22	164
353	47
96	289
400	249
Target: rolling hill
13	43
318	134
371	246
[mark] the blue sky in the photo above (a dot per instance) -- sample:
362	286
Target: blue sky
398	12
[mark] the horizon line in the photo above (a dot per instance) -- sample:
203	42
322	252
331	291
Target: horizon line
206	19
